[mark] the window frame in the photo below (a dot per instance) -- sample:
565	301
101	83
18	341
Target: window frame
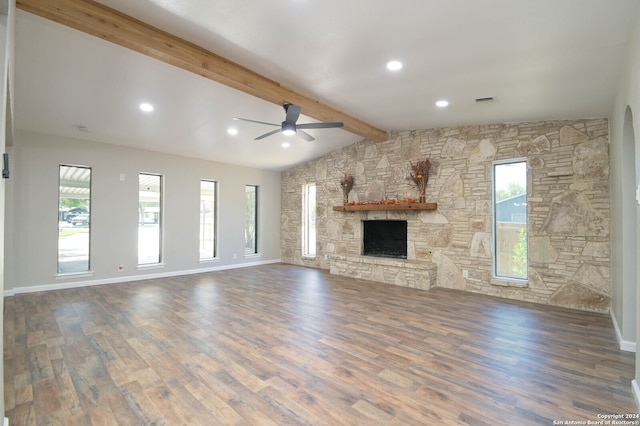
511	280
256	226
214	213
160	221
308	210
88	269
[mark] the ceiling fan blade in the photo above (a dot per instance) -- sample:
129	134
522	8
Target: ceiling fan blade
293	112
273	132
304	135
255	121
319	125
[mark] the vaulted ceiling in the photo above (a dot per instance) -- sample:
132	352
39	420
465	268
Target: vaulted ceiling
538	60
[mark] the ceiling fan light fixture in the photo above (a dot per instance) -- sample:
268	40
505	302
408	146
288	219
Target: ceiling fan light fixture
288	129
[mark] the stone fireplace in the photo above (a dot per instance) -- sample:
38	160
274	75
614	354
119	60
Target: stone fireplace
569	242
384	247
384	238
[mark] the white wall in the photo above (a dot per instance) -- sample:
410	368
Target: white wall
626	211
31	258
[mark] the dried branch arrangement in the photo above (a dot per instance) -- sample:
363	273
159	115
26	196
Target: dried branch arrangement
420	176
346	183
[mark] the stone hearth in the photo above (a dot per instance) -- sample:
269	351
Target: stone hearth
405	273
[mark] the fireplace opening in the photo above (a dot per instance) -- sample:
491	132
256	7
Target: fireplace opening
384	238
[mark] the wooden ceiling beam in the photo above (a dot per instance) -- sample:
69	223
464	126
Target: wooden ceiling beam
109	24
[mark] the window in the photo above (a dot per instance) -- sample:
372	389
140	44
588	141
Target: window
510	219
309	220
74	219
251	224
208	225
149	219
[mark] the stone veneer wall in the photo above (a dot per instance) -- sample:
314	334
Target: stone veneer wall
568	206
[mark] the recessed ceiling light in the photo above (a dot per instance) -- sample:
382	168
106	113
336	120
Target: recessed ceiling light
442	103
286	144
232	131
146	107
394	65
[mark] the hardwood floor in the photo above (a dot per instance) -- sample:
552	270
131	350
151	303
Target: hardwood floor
286	345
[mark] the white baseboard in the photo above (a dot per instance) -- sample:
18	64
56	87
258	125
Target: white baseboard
121	279
625	345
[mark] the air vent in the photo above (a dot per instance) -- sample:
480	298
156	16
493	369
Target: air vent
487	99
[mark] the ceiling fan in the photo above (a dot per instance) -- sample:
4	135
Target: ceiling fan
289	126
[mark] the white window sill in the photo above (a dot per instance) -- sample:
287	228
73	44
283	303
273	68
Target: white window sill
509	282
211	260
65	275
151	266
252	256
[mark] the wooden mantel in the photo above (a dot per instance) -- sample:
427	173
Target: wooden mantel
386	207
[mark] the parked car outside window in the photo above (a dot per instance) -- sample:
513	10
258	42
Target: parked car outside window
75	212
81	219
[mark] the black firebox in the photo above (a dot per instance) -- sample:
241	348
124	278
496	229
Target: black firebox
384	238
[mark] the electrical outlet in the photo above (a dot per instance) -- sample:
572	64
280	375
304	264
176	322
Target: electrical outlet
465	273
235	256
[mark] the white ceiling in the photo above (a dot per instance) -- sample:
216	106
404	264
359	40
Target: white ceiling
542	59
